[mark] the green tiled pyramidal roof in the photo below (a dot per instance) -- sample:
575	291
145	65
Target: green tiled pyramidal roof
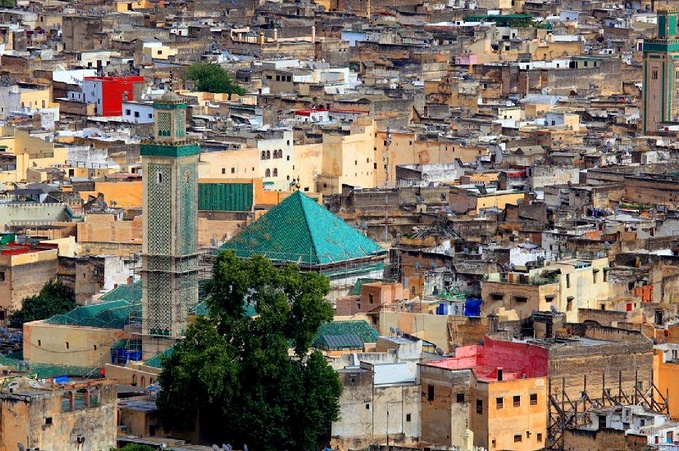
128	292
299	230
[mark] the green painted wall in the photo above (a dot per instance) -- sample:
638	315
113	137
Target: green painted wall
225	196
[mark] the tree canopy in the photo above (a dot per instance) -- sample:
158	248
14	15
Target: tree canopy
236	373
54	298
211	77
135	447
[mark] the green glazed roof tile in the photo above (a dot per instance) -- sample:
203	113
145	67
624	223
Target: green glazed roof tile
130	292
345	328
299	230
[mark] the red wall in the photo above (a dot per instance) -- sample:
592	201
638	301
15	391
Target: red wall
112	93
520	357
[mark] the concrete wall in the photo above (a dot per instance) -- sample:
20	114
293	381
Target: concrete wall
445	417
24	276
27	422
69	345
602	363
22	213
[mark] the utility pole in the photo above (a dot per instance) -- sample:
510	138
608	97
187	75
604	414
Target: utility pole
387	426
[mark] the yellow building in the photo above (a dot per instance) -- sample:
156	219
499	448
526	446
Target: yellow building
494	394
17	98
158	50
132	5
20	151
348	158
121	193
567	285
394	148
472	199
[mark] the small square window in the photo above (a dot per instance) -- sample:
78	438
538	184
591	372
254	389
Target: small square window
94	347
499	403
68	345
408	417
39	342
367	406
430	393
518	438
223	170
48	421
460	397
517	401
233	170
539	438
533	399
479	406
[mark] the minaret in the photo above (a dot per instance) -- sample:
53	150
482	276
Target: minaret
661	73
170	218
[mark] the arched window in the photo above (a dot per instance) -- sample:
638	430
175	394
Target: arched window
143	381
267	173
268	154
134	379
263	155
275	172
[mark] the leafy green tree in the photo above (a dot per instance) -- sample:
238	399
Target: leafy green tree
135	447
211	77
236	373
54	298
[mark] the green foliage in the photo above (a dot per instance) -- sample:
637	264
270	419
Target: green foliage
236	372
135	447
211	77
54	298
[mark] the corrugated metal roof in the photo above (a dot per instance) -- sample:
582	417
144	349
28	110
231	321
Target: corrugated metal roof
336	342
393	373
299	230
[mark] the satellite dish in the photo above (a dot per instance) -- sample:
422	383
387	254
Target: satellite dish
439	351
392	330
216	448
418	266
432	265
21	447
553	309
213	242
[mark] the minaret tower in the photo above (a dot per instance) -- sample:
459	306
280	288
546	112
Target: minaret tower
661	73
170	218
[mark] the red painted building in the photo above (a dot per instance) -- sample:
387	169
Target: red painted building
108	93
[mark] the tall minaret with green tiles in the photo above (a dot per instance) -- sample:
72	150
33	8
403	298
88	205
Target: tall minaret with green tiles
170	218
661	74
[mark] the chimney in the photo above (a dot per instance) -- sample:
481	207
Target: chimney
499	374
492	323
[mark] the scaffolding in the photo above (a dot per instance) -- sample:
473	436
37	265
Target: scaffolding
568	414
